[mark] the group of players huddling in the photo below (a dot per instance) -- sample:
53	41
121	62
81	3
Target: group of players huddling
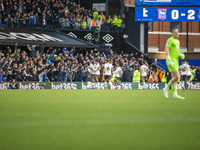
94	72
185	73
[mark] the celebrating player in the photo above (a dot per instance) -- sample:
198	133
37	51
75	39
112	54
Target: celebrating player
96	73
182	69
188	75
172	61
91	74
118	74
144	69
107	73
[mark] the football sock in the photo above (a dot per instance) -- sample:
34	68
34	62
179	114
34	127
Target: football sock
174	89
169	85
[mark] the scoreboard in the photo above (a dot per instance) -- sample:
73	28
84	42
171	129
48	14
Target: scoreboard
167	10
167	2
172	14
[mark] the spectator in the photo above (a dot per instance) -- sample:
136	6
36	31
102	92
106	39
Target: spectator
24	20
105	25
56	22
7	8
119	23
32	50
62	22
95	13
83	76
114	23
76	23
70	76
109	19
1	15
32	20
9	21
13	84
1	76
197	74
102	16
83	24
89	22
67	23
44	21
16	22
98	24
37	20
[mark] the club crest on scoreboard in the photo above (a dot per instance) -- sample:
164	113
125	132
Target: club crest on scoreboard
162	13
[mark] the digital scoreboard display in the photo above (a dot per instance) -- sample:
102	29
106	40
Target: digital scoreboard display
172	14
168	2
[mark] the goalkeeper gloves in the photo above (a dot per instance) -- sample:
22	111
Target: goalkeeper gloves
170	62
182	56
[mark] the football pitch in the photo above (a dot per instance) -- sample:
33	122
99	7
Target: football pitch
98	120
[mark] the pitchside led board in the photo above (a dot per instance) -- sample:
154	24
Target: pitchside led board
175	10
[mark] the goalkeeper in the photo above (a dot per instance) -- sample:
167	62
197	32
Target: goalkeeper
172	61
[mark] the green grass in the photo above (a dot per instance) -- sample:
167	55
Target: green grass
98	120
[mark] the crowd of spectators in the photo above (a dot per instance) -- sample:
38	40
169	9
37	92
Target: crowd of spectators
52	14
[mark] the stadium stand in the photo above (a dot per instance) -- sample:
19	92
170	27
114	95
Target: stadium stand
54	14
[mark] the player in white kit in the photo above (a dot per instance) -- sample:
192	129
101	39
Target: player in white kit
182	69
188	75
107	73
144	69
96	73
118	74
91	74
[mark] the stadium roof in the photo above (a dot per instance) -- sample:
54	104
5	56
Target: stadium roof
10	36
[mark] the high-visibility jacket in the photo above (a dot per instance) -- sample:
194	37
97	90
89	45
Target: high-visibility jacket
113	78
83	25
136	76
191	77
109	20
193	71
115	21
153	78
161	75
93	23
103	78
102	17
147	78
150	78
119	22
163	79
95	14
